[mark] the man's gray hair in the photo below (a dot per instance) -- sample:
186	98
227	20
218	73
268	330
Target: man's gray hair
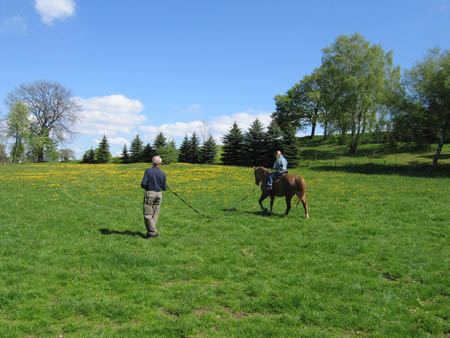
156	160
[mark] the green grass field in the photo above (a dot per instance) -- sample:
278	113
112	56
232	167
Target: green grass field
372	261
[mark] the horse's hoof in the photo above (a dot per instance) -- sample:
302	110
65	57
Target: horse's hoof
307	216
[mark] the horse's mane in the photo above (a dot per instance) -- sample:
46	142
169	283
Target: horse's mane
262	168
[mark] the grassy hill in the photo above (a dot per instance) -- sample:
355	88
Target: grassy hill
373	259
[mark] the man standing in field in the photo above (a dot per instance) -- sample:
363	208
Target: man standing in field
280	167
154	182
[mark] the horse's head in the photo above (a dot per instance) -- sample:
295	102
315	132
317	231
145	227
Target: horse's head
259	174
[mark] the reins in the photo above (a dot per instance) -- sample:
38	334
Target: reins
207	216
189	205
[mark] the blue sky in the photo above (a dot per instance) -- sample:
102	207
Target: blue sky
143	66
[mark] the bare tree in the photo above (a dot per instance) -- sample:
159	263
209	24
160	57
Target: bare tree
3	138
52	110
66	155
205	130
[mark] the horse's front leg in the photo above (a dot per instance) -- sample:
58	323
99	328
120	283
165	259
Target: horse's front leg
288	204
261	199
272	198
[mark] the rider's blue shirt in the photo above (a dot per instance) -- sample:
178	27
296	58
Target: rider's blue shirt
280	165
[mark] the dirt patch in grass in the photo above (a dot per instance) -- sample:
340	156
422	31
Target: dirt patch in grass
200	312
237	315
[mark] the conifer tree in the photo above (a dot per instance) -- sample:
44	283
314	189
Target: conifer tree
233	144
254	144
125	158
92	156
136	149
184	150
208	151
194	150
148	153
89	156
289	146
84	159
102	154
273	142
159	144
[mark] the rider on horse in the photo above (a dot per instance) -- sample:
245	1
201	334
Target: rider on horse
280	167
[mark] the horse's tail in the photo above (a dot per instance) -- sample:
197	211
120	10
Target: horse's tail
301	188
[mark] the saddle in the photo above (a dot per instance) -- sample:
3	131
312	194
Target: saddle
279	178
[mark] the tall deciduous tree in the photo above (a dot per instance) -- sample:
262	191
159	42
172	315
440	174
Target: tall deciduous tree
40	148
52	108
233	146
3	156
18	128
358	71
428	98
301	105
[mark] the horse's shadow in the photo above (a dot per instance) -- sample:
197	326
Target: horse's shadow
256	213
125	232
265	214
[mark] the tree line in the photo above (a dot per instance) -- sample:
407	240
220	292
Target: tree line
357	90
254	147
257	147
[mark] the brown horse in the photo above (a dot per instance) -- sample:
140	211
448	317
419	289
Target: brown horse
287	185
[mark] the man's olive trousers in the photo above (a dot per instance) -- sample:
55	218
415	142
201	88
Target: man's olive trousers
152	204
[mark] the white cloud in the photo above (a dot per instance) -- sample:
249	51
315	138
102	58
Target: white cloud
222	124
194	108
218	126
120	141
51	10
109	115
16	25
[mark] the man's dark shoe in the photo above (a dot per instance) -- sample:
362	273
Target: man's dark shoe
151	235
269	188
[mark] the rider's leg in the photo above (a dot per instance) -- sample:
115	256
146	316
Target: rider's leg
270	179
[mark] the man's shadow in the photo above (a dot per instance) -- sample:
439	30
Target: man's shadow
126	232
